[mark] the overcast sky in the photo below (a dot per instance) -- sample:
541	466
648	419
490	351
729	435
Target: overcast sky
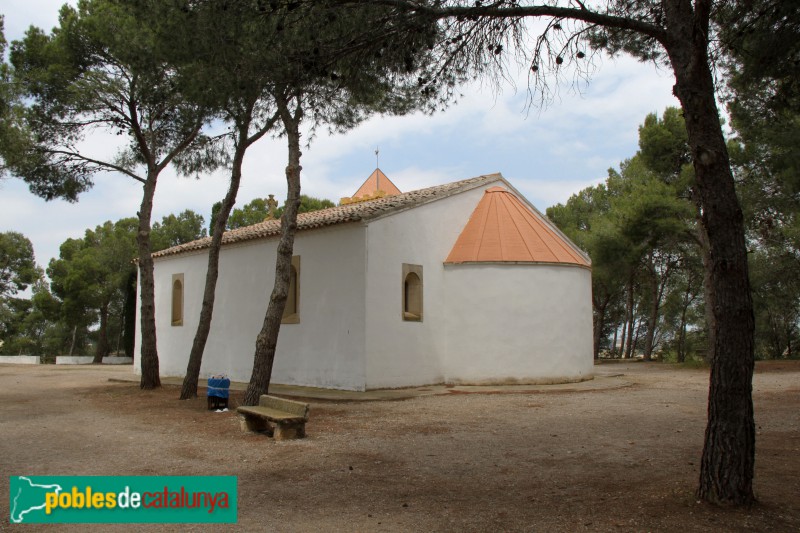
548	154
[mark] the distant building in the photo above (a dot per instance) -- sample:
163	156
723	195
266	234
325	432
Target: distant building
464	282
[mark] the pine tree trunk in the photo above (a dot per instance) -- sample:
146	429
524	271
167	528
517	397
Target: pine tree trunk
149	351
614	345
74	338
129	335
267	339
598	332
708	291
120	330
102	348
708	294
629	319
599	323
682	329
653	318
636	338
727	464
189	388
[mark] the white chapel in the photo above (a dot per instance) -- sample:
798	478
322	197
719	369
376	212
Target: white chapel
461	283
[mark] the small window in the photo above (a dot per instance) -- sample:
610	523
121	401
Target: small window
177	299
291	313
412	292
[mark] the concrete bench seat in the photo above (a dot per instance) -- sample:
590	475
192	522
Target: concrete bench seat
285	419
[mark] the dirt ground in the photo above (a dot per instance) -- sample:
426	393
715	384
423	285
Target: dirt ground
623	459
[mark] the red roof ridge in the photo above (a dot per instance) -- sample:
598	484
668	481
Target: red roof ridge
362	211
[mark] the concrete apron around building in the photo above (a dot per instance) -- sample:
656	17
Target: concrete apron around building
601	381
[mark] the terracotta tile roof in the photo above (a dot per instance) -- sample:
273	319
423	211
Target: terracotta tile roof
362	211
377	181
503	229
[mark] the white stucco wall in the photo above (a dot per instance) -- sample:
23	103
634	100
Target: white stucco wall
326	349
518	323
402	353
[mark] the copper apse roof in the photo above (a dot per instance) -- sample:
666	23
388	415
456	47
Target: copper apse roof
503	229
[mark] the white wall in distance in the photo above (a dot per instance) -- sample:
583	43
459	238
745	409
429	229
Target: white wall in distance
19	359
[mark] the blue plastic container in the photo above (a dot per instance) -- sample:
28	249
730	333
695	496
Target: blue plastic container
218	389
218	386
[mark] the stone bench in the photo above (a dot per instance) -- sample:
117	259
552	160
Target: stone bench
286	419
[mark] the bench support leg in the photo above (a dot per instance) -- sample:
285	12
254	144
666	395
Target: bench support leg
289	431
253	424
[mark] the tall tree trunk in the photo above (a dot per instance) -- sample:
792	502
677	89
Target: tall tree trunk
629	318
636	337
682	329
189	388
654	304
149	351
727	464
102	348
622	338
701	236
129	335
614	345
219	221
773	340
267	339
74	337
599	324
119	332
708	295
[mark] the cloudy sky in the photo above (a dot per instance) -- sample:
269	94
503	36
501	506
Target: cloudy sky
548	154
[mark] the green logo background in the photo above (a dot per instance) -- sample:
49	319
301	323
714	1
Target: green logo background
27	499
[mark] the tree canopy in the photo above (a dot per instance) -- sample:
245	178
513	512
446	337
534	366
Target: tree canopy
107	67
90	298
17	264
637	228
91	276
173	230
258	209
762	44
